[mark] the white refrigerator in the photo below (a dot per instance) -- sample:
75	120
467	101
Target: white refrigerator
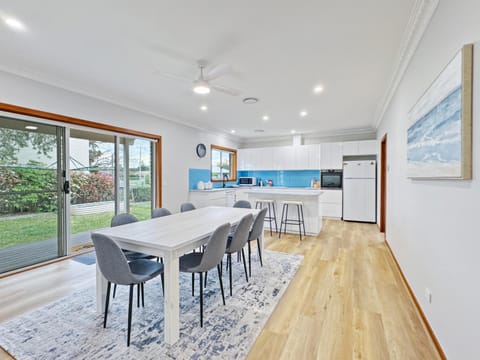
360	190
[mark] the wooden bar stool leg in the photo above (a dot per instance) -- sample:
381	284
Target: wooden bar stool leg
281	222
303	221
270	218
299	222
275	217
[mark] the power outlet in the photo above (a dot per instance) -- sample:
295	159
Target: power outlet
428	295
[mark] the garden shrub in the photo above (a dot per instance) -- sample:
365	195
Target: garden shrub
143	193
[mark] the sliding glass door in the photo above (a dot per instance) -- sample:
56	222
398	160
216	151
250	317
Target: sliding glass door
92	185
50	205
31	193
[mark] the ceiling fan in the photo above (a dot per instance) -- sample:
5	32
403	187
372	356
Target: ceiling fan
203	84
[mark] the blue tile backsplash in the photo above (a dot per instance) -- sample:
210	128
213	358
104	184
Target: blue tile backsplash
196	175
290	178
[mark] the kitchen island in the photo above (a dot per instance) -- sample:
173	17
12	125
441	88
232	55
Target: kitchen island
312	208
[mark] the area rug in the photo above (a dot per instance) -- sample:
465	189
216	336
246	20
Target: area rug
70	328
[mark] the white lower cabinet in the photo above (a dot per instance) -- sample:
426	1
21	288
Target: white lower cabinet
331	201
221	197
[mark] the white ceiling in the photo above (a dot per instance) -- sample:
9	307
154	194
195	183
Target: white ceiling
280	49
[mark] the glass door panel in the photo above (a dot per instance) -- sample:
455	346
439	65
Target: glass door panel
30	193
92	179
137	176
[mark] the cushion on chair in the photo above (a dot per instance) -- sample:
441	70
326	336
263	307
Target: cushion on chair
145	269
190	261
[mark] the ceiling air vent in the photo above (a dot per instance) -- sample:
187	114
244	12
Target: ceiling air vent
258	131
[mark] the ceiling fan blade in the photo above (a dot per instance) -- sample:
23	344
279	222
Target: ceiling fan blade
217	71
226	90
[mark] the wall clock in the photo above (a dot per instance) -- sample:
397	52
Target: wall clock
201	150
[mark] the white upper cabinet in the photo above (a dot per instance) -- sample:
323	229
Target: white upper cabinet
366	147
331	155
303	157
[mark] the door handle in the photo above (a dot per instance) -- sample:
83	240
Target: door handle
66	187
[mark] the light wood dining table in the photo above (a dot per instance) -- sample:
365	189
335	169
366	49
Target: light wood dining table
170	237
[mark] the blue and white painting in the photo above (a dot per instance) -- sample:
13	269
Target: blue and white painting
434	145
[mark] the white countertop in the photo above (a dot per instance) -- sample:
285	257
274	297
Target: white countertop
285	191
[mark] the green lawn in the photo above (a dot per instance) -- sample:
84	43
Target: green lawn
26	229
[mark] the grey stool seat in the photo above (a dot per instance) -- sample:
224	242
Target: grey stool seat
160	212
300	220
244	204
202	262
187	207
115	267
254	235
237	242
272	215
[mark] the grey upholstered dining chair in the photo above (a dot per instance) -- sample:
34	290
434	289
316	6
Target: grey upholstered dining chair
207	260
245	204
115	267
255	234
160	212
123	219
236	244
187	207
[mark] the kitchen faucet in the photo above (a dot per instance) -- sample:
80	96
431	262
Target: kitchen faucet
225	176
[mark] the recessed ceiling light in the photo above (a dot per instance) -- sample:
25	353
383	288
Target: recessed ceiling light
204	107
250	100
292	132
265	117
232	131
318	89
14	24
303	113
31	127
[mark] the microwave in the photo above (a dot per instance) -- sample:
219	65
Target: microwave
247	181
331	179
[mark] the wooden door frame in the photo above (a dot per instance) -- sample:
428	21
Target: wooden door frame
383	184
96	125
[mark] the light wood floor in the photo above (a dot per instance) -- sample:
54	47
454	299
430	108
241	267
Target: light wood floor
347	300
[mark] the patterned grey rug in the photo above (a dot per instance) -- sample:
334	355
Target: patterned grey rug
70	328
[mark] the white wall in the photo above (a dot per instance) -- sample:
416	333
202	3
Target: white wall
179	142
433	226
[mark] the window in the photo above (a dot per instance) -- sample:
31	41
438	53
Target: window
223	162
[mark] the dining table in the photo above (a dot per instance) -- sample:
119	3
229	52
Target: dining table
170	237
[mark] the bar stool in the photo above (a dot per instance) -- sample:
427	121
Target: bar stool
270	204
300	220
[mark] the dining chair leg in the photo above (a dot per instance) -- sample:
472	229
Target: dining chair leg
114	290
138	295
221	283
107	299
193	284
201	299
162	277
205	282
130	301
230	272
244	265
259	252
143	294
221	267
250	259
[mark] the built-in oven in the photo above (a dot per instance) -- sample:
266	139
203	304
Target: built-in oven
247	181
331	178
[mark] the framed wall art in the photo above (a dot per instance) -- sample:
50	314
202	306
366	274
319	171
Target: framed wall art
439	139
